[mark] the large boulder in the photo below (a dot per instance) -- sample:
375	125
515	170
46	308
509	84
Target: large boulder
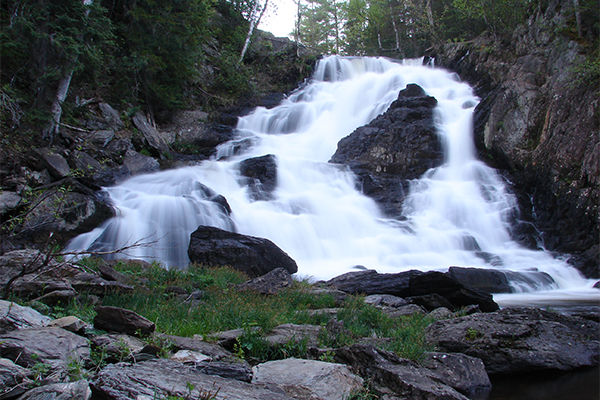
395	147
309	379
516	340
153	139
251	255
54	347
397	376
14	316
165	378
261	176
429	289
122	320
78	390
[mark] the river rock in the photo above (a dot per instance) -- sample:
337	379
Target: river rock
261	174
212	350
54	163
395	147
9	201
13	378
163	378
400	377
111	116
309	379
465	374
78	390
456	293
284	334
137	163
65	215
270	283
370	282
69	323
118	347
122	320
101	138
191	131
430	289
152	137
251	255
52	346
14	316
517	340
240	371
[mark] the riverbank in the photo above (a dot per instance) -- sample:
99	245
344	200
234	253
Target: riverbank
144	330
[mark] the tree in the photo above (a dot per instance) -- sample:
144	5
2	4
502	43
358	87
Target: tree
159	48
43	44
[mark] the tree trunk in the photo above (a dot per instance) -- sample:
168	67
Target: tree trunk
254	21
61	93
578	18
395	28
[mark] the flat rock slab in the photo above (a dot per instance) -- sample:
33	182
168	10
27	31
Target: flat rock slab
402	377
459	371
79	390
270	283
14	316
515	340
309	379
162	378
122	320
11	375
52	346
286	333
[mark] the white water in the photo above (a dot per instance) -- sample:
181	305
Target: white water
317	216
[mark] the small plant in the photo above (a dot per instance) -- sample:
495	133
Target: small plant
472	334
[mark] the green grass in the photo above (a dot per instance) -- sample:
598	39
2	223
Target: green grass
222	307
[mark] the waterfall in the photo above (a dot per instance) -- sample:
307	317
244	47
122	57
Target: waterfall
455	215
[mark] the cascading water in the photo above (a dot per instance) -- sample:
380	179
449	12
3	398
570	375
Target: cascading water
456	214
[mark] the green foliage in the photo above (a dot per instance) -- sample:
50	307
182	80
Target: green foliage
159	48
40	42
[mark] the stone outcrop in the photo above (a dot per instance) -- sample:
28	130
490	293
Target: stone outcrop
251	255
170	378
54	347
121	320
309	379
538	121
395	147
428	289
397	376
516	340
261	174
14	317
269	283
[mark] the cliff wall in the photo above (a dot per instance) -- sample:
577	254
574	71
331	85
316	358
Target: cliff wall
538	122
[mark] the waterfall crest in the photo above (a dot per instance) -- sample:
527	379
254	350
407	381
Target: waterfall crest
455	215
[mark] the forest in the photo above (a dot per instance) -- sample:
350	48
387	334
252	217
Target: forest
170	54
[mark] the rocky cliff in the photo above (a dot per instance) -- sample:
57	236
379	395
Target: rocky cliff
538	123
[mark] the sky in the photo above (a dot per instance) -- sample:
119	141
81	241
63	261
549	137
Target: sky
281	22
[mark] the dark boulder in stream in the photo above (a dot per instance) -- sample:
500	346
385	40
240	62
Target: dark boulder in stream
252	255
397	146
261	176
429	289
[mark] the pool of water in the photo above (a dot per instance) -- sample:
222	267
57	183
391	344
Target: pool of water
575	385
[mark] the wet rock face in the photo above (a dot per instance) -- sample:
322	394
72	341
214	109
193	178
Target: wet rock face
538	120
397	146
252	255
516	340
